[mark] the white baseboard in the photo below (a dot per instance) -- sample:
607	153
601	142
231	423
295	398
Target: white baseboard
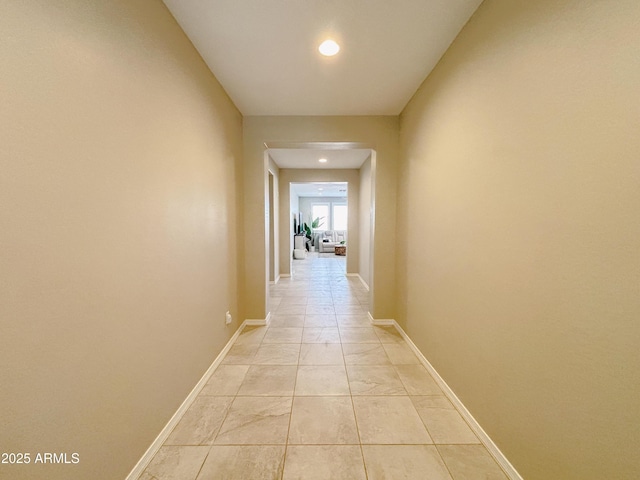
381	321
360	278
138	469
493	449
258	322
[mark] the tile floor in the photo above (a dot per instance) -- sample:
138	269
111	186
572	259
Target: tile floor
321	394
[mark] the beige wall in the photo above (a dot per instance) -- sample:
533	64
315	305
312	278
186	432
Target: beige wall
117	229
364	219
288	176
378	132
274	221
518	264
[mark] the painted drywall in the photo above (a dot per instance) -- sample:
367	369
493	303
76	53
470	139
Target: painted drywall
288	176
118	242
272	255
274	221
364	218
377	132
518	263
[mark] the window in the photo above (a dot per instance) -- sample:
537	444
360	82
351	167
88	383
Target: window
340	217
322	212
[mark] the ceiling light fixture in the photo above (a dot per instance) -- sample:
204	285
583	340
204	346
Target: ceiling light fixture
323	160
329	48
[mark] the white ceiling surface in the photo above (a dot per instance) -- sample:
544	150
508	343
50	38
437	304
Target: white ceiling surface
329	189
308	158
264	52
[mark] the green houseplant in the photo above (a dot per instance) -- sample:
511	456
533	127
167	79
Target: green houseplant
316	223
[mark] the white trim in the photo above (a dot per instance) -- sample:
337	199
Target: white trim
360	278
493	449
259	322
139	468
274	282
284	275
381	321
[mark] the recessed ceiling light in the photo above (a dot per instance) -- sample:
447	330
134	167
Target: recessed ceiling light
320	188
329	48
323	160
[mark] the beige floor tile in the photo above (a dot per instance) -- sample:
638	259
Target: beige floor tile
358	335
400	354
320	310
294	300
350	310
321	354
374	380
255	421
342	294
277	354
269	380
361	320
251	335
438	400
297	290
322	380
240	355
417	380
365	354
291	309
326	312
319	289
254	462
283	335
470	462
312	321
334	462
322	421
175	463
445	424
226	380
410	462
279	321
346	300
274	299
320	335
201	422
389	335
389	420
320	300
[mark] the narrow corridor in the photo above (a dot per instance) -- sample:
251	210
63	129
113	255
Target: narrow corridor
321	394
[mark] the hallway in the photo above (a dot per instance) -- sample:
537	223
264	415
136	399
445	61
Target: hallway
321	394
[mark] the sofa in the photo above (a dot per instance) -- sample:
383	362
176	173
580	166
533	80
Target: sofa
327	240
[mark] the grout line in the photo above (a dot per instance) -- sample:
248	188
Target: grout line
162	437
473	424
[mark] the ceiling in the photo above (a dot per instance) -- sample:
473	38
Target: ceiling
320	189
308	158
264	52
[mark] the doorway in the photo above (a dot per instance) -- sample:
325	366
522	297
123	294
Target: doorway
347	167
323	212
